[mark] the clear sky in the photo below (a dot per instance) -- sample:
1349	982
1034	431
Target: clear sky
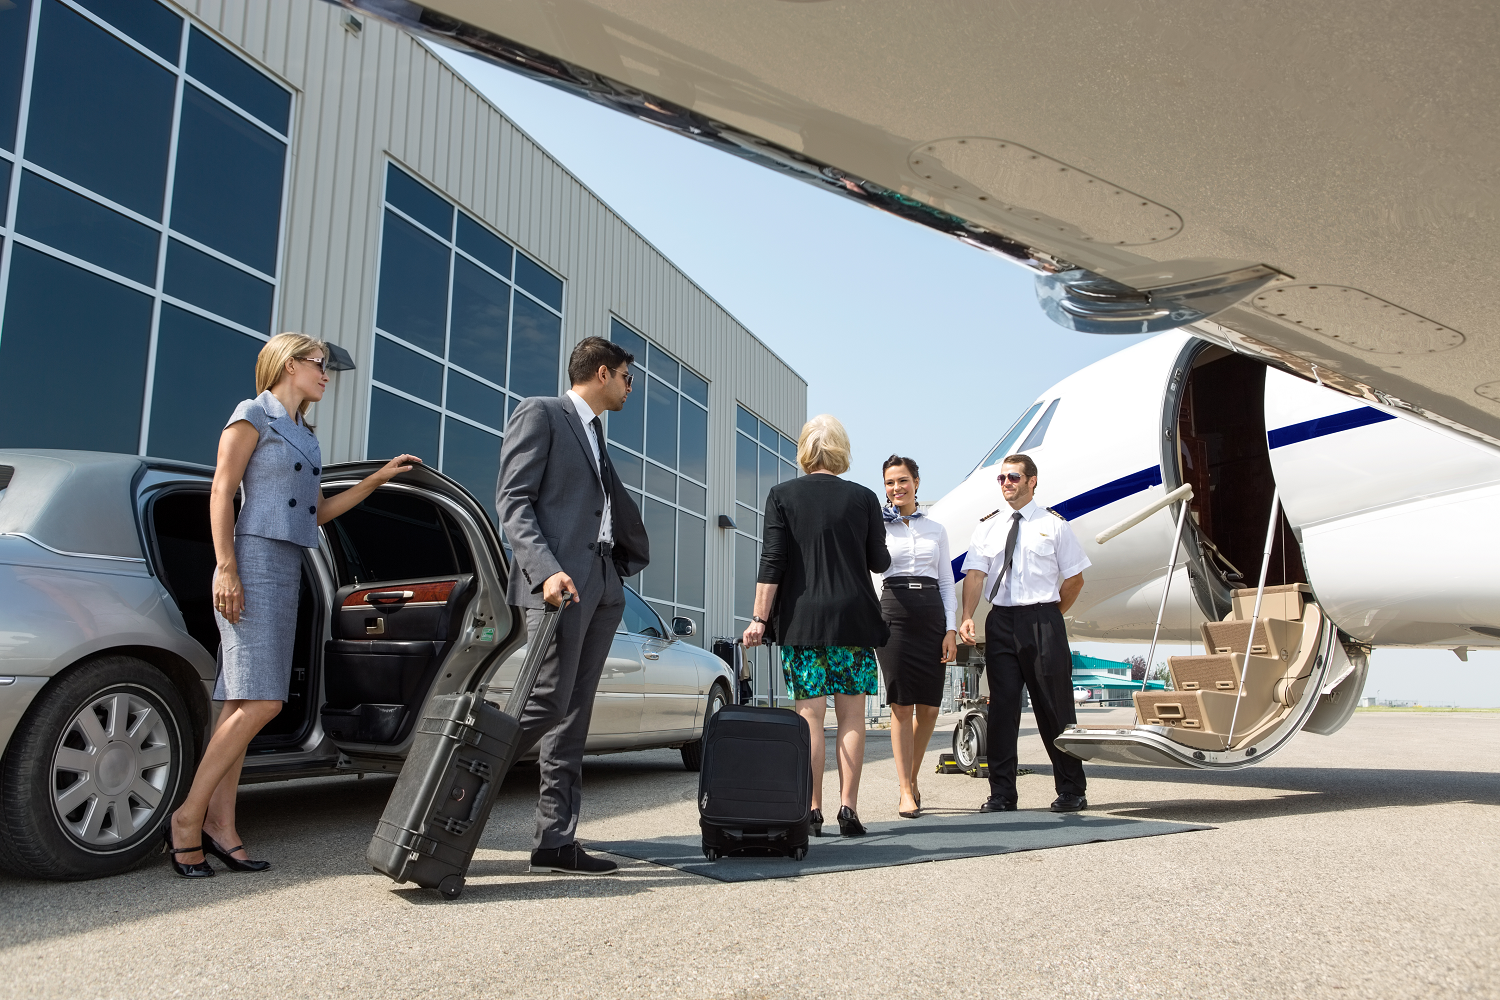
920	345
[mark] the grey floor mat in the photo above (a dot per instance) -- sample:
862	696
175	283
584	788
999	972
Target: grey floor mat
934	837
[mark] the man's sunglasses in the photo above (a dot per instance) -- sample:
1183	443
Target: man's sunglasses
627	376
1010	477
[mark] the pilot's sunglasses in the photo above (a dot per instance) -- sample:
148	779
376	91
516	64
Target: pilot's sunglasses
1010	477
322	363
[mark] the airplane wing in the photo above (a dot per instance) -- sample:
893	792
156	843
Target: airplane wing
1313	185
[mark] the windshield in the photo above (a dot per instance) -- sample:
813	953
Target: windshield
1003	448
1039	432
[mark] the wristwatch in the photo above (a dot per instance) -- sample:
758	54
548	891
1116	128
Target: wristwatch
759	620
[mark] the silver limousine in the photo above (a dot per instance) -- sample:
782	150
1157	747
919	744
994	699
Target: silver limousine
107	646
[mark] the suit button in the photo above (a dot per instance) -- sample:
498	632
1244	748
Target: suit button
297	467
316	470
598	513
591	546
312	508
292	502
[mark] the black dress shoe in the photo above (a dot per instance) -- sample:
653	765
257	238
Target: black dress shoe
1069	803
849	824
570	859
994	805
817	822
198	869
226	855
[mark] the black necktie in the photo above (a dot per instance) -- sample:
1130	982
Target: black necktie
604	469
1010	550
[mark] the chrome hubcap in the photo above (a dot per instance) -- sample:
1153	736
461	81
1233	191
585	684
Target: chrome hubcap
968	744
110	769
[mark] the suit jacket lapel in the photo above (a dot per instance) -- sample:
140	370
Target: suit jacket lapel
581	433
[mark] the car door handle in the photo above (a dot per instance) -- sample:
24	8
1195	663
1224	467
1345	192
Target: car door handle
650	654
388	596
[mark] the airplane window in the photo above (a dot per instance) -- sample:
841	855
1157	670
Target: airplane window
1003	448
639	618
1034	439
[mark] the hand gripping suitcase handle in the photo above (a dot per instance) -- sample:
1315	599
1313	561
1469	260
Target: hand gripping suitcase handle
536	650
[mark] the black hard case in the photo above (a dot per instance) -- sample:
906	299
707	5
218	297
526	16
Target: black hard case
755	789
461	752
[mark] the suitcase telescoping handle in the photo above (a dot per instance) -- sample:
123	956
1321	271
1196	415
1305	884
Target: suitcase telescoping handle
536	649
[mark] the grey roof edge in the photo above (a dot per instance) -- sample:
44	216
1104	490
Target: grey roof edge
438	53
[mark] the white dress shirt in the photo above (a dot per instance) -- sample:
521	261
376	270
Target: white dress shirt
919	547
1046	554
586	414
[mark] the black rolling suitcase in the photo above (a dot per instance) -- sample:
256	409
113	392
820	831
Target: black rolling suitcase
756	784
462	750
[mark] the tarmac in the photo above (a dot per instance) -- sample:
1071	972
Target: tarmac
1366	864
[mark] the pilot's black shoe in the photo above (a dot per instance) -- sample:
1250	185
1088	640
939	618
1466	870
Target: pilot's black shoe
994	805
570	859
1069	803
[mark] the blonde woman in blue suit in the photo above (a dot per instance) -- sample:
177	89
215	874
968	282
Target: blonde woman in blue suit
268	446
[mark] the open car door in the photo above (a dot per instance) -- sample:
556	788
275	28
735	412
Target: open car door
419	608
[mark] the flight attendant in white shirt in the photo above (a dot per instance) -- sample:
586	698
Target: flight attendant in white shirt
1030	566
919	606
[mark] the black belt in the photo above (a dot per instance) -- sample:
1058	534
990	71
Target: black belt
1025	607
605	549
911	583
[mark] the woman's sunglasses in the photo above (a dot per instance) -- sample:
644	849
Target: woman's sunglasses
322	363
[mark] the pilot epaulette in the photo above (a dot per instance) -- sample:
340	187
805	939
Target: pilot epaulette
989	515
1054	513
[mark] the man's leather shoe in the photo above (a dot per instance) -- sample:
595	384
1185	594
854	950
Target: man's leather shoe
570	859
1069	803
994	805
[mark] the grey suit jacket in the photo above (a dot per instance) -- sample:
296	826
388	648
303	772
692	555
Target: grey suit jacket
551	500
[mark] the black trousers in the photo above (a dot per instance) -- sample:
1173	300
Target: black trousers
1029	645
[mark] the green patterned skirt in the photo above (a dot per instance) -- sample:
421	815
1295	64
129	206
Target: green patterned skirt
818	671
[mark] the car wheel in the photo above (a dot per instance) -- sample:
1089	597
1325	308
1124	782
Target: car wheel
692	753
968	741
92	772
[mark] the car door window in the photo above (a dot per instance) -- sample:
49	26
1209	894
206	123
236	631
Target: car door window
397	536
639	619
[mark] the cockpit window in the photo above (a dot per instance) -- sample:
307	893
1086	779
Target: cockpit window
1003	448
1034	439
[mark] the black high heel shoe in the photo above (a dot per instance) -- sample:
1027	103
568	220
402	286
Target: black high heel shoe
849	824
817	822
198	869
226	855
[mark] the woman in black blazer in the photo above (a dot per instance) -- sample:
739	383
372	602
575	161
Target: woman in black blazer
824	536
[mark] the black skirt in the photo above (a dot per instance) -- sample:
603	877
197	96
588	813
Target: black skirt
911	661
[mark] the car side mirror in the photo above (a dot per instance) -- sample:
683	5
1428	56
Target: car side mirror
684	628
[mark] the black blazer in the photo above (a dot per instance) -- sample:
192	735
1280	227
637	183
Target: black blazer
824	536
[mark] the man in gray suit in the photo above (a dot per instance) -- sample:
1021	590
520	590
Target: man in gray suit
572	529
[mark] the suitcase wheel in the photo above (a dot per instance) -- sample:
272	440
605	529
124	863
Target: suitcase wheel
799	853
711	854
452	886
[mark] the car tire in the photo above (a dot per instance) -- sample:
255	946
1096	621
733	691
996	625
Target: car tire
692	753
968	740
93	770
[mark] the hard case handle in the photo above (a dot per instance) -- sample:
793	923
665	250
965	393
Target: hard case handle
536	649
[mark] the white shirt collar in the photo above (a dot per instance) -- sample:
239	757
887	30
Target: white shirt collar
585	411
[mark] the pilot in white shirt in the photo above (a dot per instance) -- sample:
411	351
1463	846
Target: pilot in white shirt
1029	565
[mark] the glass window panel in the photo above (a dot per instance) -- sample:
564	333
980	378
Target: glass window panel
472	456
693	447
788	471
768	475
768	436
146	21
627	466
399	426
745	422
628	425
418	201
664	612
408	371
4	174
539	281
84	228
475	400
661	423
661	365
15	24
536	341
413	285
695	387
744	470
639	618
627	338
484	245
238	81
101	113
692	496
1039	432
226	191
104	330
746	569
510	407
203	370
661	527
691	558
1003	448
481	321
661	482
206	281
789	450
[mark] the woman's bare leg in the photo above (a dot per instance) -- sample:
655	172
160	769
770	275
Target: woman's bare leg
926	721
850	711
901	749
814	711
238	723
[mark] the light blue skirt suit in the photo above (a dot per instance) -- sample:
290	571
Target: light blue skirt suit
279	518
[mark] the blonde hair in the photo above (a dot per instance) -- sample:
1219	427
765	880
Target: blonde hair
823	444
270	364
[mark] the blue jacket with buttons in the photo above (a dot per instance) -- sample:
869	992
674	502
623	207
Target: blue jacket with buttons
281	482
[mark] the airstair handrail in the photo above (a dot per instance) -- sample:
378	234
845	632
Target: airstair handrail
1183	492
1260	592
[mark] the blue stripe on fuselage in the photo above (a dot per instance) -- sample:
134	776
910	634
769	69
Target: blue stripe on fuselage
1323	426
1101	496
